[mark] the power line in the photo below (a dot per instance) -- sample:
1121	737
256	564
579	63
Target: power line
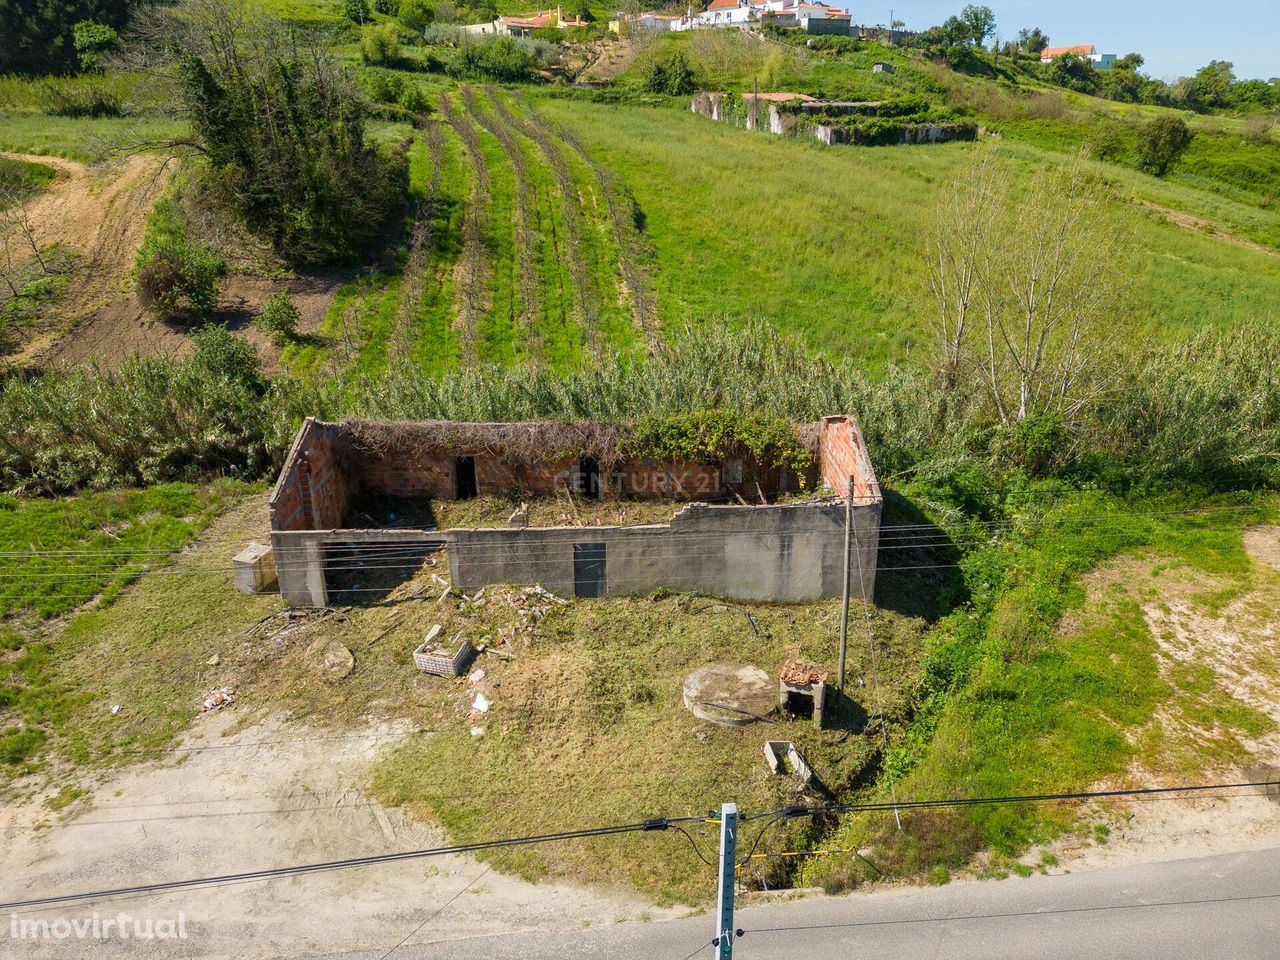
656	824
652	825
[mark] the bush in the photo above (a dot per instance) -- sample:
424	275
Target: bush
387	7
91	41
1161	142
357	10
66	99
279	318
178	279
416	14
1110	142
501	58
671	76
380	45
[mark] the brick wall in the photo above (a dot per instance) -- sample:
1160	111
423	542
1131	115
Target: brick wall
313	489
841	455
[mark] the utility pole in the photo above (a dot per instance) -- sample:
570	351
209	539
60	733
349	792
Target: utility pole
728	879
891	43
848	558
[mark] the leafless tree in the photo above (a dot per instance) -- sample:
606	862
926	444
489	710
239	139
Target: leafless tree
1024	287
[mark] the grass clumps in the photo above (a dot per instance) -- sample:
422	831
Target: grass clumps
65	553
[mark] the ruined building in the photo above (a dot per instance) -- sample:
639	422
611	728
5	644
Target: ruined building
729	535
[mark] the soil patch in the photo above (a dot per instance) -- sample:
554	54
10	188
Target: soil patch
272	794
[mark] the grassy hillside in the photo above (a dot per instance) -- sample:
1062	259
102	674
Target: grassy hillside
831	242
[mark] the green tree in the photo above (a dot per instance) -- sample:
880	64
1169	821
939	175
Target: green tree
91	41
671	76
1032	40
1130	61
281	127
387	7
1161	142
1212	84
38	36
979	23
1074	72
357	10
416	14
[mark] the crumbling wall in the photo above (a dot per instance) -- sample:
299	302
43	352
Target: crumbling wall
314	489
842	455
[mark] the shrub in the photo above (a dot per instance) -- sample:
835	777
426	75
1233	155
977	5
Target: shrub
357	10
80	100
416	14
380	45
502	58
388	7
671	76
91	41
178	279
414	98
1259	127
279	318
1161	142
1109	142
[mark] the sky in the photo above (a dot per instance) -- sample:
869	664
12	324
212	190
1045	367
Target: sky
1176	37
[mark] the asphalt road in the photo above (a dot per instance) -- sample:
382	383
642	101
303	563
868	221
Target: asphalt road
1215	908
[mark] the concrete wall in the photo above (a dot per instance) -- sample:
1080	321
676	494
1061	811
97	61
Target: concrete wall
786	553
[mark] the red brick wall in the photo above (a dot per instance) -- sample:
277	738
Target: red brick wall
841	455
313	489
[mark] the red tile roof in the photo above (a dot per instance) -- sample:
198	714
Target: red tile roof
722	4
778	97
1080	49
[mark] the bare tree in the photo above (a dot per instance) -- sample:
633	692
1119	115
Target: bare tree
1024	287
964	222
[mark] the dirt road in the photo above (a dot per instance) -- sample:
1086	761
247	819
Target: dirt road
270	795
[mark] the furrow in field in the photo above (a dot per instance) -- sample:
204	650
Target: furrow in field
525	263
473	274
633	245
588	301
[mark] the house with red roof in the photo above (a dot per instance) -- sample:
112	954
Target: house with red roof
1100	61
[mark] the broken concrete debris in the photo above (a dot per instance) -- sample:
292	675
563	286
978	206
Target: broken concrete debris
217	698
776	752
254	569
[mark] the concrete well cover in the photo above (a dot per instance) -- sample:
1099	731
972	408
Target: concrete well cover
730	694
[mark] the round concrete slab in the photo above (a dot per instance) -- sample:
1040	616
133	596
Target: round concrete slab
730	694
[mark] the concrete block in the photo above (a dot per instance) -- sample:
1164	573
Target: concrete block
255	568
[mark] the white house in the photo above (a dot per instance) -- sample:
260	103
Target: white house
1101	61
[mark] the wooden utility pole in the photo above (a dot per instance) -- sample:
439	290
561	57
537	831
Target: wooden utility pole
848	558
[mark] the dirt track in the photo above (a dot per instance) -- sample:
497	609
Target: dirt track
99	213
270	795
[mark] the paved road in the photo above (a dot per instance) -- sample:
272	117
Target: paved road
1217	908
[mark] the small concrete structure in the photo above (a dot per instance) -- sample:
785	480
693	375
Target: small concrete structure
778	751
255	568
729	694
881	67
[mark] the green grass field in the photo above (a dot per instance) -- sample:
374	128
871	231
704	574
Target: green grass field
830	242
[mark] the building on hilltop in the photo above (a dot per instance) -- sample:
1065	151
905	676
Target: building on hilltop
524	26
740	526
1100	61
